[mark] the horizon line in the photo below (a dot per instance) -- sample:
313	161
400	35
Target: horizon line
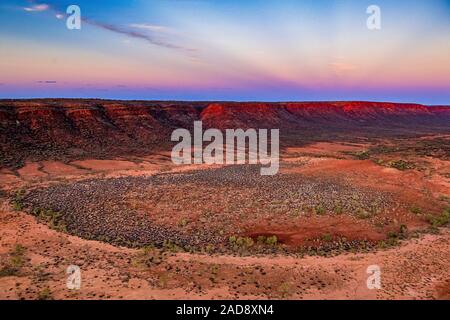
231	101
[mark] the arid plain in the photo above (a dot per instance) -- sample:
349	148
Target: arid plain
91	183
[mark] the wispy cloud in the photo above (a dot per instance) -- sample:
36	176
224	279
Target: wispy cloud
151	27
37	8
119	29
137	35
47	81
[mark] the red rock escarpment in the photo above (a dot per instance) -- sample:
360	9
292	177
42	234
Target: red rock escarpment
83	126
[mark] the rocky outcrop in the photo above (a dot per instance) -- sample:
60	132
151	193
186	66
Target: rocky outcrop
81	127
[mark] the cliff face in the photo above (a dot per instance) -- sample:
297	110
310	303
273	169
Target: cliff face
99	127
318	114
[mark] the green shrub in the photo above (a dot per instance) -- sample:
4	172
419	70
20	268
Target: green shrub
149	256
403	228
363	214
338	209
15	262
416	210
285	290
171	247
45	294
392	239
272	240
17	206
403	233
362	155
209	248
401	165
440	220
215	269
183	222
240	243
261	240
445	198
319	210
269	241
52	218
245	242
17	202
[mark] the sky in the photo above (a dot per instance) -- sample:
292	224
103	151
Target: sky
241	50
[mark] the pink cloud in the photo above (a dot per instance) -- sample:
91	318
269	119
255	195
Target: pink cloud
37	8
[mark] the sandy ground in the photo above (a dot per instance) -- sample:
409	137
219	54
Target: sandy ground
418	268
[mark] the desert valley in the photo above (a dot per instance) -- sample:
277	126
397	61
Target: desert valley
91	183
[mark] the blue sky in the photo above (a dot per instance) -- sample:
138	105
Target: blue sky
273	50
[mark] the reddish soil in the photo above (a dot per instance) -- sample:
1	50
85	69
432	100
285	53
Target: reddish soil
310	228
